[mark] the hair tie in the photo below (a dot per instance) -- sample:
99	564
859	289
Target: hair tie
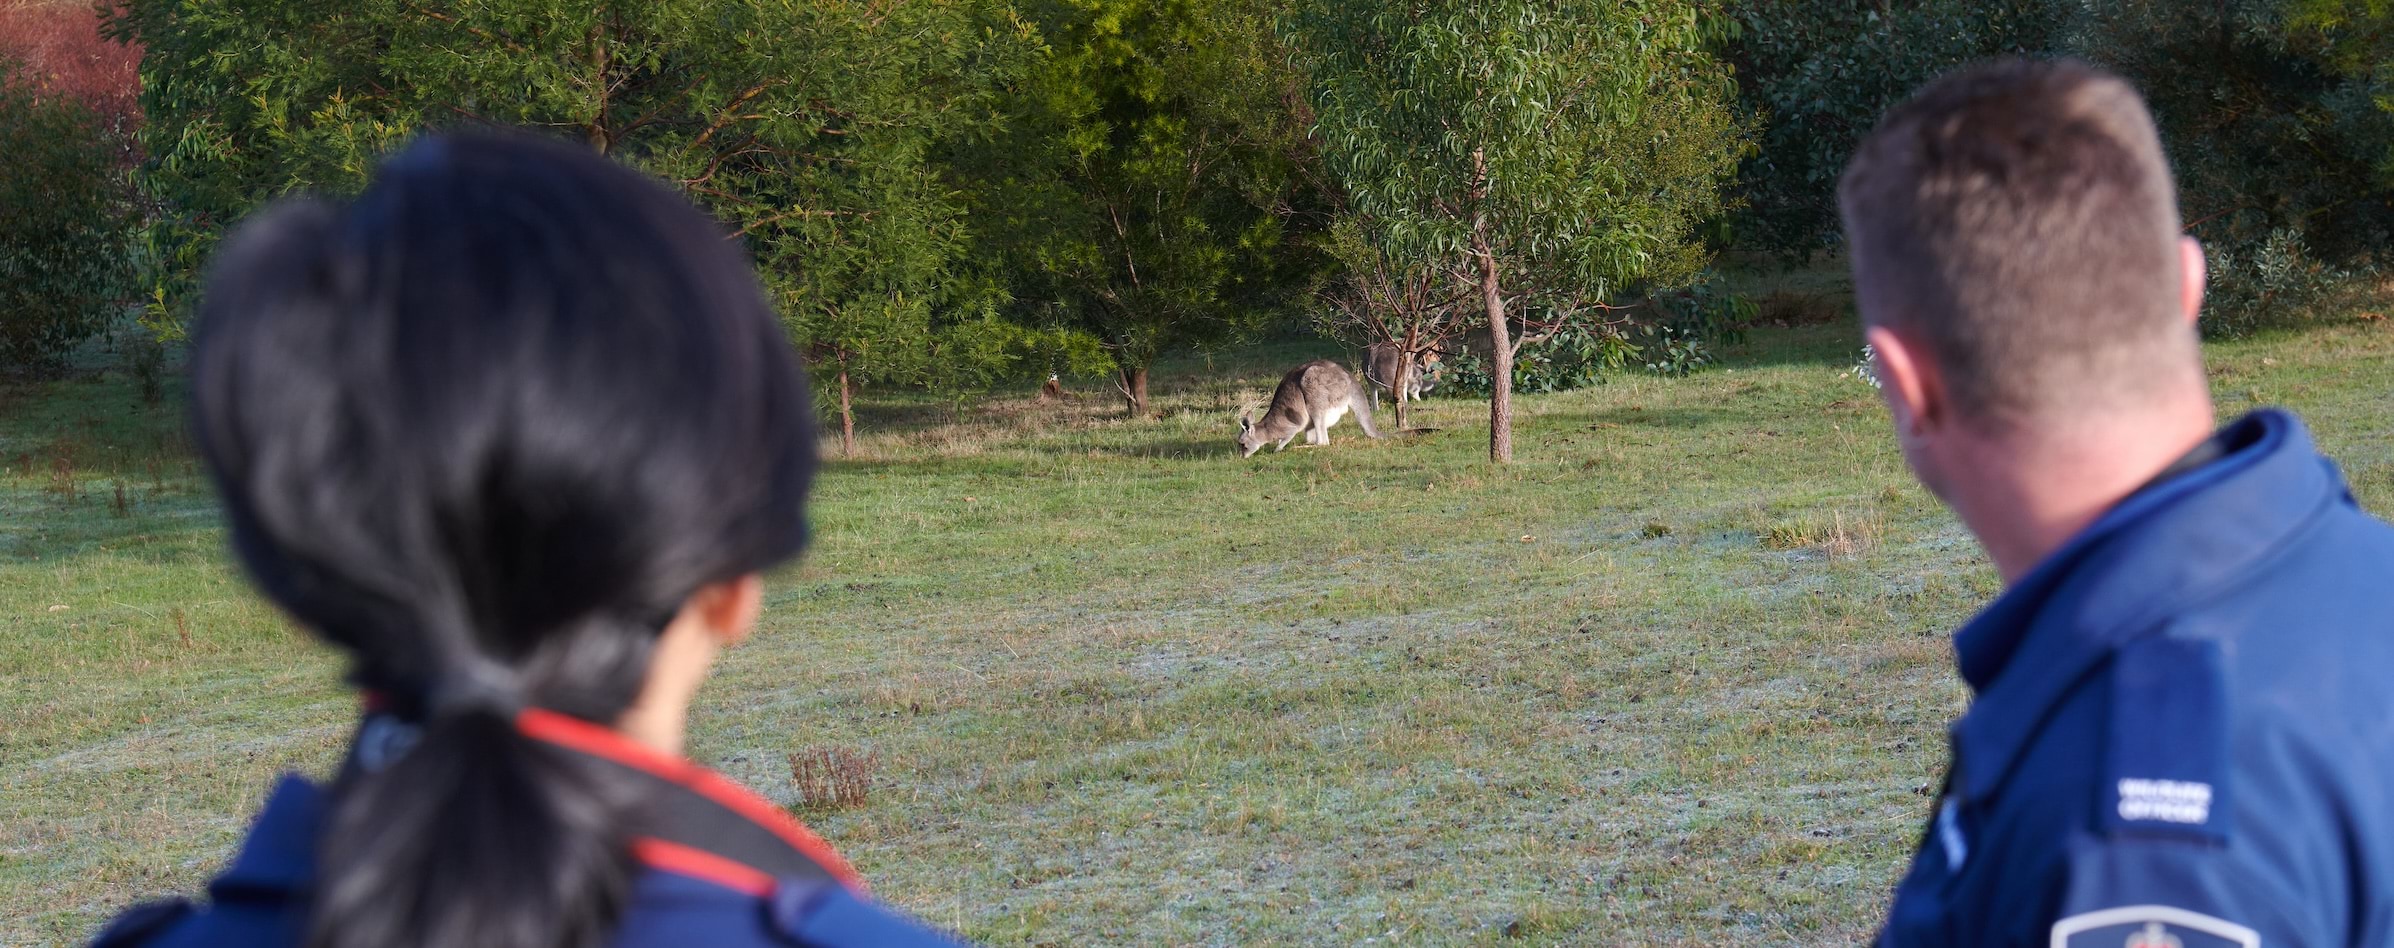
482	688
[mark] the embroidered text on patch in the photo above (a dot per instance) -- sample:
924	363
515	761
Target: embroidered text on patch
2168	801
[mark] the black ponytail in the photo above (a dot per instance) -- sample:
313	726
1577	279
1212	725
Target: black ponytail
485	429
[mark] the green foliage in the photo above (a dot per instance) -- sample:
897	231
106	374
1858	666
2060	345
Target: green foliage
2263	131
1604	130
63	227
976	355
1820	74
810	128
1578	355
2243	90
2277	282
1378	296
1673	333
1687	324
1141	192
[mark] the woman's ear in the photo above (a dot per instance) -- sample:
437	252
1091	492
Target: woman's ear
2192	273
728	610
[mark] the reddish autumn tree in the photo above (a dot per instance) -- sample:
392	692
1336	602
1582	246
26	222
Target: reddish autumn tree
56	48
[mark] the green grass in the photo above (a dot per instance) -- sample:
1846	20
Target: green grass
1677	676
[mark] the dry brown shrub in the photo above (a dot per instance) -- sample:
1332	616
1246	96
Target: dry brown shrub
831	777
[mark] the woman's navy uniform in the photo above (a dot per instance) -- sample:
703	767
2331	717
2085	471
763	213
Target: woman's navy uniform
722	865
2183	735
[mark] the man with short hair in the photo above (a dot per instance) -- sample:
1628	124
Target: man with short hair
2183	731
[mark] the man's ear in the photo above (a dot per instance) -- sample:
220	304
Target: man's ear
1908	380
728	610
2192	273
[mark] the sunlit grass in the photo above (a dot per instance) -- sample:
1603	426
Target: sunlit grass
1677	676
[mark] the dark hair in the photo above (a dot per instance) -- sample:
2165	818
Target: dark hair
485	428
2020	217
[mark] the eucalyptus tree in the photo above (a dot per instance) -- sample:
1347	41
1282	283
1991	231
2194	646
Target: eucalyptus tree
808	127
1557	150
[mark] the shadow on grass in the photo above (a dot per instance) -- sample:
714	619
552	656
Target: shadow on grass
1834	345
1175	447
1675	418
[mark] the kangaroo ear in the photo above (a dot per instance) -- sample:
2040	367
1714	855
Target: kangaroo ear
1244	424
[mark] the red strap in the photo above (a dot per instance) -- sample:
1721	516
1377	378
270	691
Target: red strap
698	863
589	738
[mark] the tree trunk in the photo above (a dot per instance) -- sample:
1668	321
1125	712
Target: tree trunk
1132	380
597	132
1500	339
847	415
1403	381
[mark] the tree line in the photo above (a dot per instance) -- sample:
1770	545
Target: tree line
962	193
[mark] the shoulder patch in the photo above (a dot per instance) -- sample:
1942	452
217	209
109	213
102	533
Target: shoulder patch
2166	749
2151	926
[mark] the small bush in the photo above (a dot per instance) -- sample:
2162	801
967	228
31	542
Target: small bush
2275	283
63	227
1840	537
1670	333
831	778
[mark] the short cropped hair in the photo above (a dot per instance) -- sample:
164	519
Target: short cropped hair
2018	218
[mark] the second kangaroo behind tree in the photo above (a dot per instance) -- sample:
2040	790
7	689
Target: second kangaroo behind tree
1380	367
1311	398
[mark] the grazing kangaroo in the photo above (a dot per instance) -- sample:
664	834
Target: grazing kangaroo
1311	398
1380	367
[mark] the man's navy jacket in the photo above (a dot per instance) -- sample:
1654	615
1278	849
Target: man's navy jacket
2184	726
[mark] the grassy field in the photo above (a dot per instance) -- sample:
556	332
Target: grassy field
1679	676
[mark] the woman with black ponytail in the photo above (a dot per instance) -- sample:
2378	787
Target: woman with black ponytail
515	430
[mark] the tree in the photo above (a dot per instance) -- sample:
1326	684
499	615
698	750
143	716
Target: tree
810	128
1142	193
1819	74
1406	303
2244	91
63	224
1553	151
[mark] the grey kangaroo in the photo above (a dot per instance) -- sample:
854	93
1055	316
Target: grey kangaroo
1380	367
1311	398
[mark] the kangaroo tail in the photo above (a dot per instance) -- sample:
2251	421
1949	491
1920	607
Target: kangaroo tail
1363	413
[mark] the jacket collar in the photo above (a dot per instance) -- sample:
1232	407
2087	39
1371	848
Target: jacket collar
697	823
279	857
2185	536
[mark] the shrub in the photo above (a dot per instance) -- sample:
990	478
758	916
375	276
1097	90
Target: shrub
1576	356
1671	333
832	777
63	233
2276	282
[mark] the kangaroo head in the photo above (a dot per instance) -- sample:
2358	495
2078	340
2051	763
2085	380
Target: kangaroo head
1250	441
